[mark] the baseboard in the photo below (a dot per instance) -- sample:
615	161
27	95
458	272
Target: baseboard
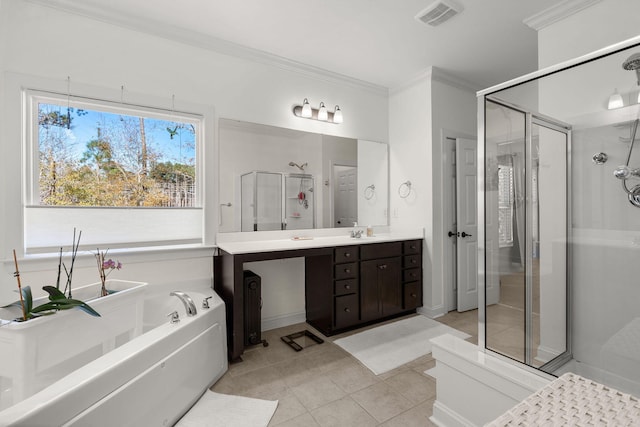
444	416
432	313
283	320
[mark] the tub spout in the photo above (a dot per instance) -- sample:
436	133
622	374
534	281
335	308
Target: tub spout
189	305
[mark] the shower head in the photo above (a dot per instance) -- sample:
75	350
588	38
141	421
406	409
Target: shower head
633	64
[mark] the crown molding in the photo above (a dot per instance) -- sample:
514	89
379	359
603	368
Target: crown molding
204	41
557	13
435	74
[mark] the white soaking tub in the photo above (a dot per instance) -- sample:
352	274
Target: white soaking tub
151	380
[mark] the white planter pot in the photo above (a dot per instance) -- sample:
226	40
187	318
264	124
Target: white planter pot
38	352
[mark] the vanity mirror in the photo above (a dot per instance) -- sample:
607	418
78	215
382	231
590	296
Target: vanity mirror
273	178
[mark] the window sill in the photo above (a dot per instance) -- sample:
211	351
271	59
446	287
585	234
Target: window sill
47	261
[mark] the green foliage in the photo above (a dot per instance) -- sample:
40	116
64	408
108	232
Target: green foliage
57	301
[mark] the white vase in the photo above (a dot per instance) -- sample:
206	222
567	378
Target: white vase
38	352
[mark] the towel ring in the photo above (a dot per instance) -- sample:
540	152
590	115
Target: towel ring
404	190
369	192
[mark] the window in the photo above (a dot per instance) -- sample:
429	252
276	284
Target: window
125	175
505	206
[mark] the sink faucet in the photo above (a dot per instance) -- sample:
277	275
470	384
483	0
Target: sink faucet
189	306
356	233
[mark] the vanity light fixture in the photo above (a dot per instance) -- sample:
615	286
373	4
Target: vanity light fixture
337	114
615	100
322	113
306	111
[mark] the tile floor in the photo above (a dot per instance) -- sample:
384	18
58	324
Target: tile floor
324	385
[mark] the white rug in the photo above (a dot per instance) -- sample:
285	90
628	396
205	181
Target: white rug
386	347
223	410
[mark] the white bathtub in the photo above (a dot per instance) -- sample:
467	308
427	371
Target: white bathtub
152	380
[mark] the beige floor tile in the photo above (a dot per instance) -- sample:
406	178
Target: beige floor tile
304	420
317	392
342	413
264	383
289	407
382	401
417	416
297	371
351	376
413	385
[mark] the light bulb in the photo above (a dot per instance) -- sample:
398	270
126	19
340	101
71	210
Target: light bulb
615	100
337	115
306	109
322	113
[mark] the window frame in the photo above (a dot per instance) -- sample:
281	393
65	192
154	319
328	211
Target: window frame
30	189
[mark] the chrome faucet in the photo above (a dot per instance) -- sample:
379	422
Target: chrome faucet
189	305
356	233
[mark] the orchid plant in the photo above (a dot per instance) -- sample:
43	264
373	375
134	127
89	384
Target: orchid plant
105	267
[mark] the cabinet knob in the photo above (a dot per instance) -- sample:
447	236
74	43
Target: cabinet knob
413	295
346	270
413	274
347	255
347	310
414	261
347	287
412	246
382	266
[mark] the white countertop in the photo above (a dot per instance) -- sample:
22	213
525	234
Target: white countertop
306	241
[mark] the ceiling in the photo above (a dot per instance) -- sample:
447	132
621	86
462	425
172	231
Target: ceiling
377	41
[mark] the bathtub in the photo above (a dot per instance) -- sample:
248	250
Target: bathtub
151	380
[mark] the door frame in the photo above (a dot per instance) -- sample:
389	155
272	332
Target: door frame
450	298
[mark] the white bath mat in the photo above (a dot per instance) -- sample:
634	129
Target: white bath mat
223	410
386	347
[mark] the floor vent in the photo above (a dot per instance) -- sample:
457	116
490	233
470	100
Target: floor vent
438	12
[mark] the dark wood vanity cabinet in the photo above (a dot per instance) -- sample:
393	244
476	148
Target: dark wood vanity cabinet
370	282
411	274
380	281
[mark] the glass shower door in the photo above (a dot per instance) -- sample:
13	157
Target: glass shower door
526	228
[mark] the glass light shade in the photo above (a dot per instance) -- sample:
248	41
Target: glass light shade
306	109
322	112
337	115
615	101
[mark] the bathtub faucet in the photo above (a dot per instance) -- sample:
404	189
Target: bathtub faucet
189	306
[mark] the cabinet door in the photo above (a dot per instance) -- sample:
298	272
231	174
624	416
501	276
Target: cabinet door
380	288
391	286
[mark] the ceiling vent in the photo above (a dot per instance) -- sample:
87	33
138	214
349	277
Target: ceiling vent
438	12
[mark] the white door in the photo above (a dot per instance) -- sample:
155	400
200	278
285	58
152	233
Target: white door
467	224
345	199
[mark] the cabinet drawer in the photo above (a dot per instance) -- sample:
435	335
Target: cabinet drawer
346	254
343	287
412	296
380	250
346	310
412	261
411	247
345	271
411	274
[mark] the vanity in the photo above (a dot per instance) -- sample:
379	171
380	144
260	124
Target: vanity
349	282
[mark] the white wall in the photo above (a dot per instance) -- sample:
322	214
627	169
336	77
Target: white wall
603	24
421	114
48	43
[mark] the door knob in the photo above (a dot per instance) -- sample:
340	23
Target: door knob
465	234
451	234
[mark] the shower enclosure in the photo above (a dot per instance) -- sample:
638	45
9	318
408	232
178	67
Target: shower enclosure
276	201
560	240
